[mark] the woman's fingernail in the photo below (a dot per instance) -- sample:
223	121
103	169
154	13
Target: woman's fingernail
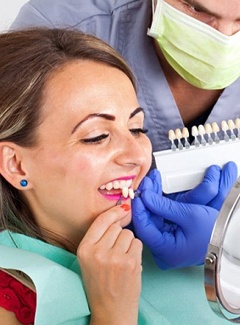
125	207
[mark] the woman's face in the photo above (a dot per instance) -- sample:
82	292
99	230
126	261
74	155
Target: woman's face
90	146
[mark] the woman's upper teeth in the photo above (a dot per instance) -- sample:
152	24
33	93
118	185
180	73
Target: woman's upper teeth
123	185
117	185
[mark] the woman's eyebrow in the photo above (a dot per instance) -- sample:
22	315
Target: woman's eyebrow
107	117
136	111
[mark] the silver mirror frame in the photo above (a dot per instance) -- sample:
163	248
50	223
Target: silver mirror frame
212	261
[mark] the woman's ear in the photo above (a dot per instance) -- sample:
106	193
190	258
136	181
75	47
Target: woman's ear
11	164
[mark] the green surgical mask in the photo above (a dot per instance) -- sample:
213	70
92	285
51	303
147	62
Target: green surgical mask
200	54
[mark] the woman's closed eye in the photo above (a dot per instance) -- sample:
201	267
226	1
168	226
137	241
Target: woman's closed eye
137	131
99	138
96	140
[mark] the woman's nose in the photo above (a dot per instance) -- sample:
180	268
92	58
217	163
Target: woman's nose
133	152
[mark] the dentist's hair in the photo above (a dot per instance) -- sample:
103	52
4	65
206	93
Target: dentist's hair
28	58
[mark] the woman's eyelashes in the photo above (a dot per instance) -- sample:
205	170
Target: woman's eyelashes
100	138
96	140
138	131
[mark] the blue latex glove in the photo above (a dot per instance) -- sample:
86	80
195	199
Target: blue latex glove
176	233
214	188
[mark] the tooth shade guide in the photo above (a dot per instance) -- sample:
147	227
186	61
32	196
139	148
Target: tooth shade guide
182	170
237	123
179	136
127	192
202	131
131	193
185	135
172	137
137	193
203	134
225	127
215	129
185	132
119	202
231	126
209	130
195	134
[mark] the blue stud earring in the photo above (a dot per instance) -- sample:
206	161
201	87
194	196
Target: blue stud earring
23	182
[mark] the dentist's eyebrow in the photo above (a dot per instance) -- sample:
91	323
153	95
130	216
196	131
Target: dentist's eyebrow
199	7
107	117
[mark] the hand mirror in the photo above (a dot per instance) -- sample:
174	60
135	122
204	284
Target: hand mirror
222	262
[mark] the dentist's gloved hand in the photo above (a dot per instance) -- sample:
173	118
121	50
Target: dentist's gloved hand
214	188
176	233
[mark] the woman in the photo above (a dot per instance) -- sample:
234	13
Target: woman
67	157
72	152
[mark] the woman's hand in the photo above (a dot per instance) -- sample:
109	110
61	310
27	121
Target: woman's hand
110	258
